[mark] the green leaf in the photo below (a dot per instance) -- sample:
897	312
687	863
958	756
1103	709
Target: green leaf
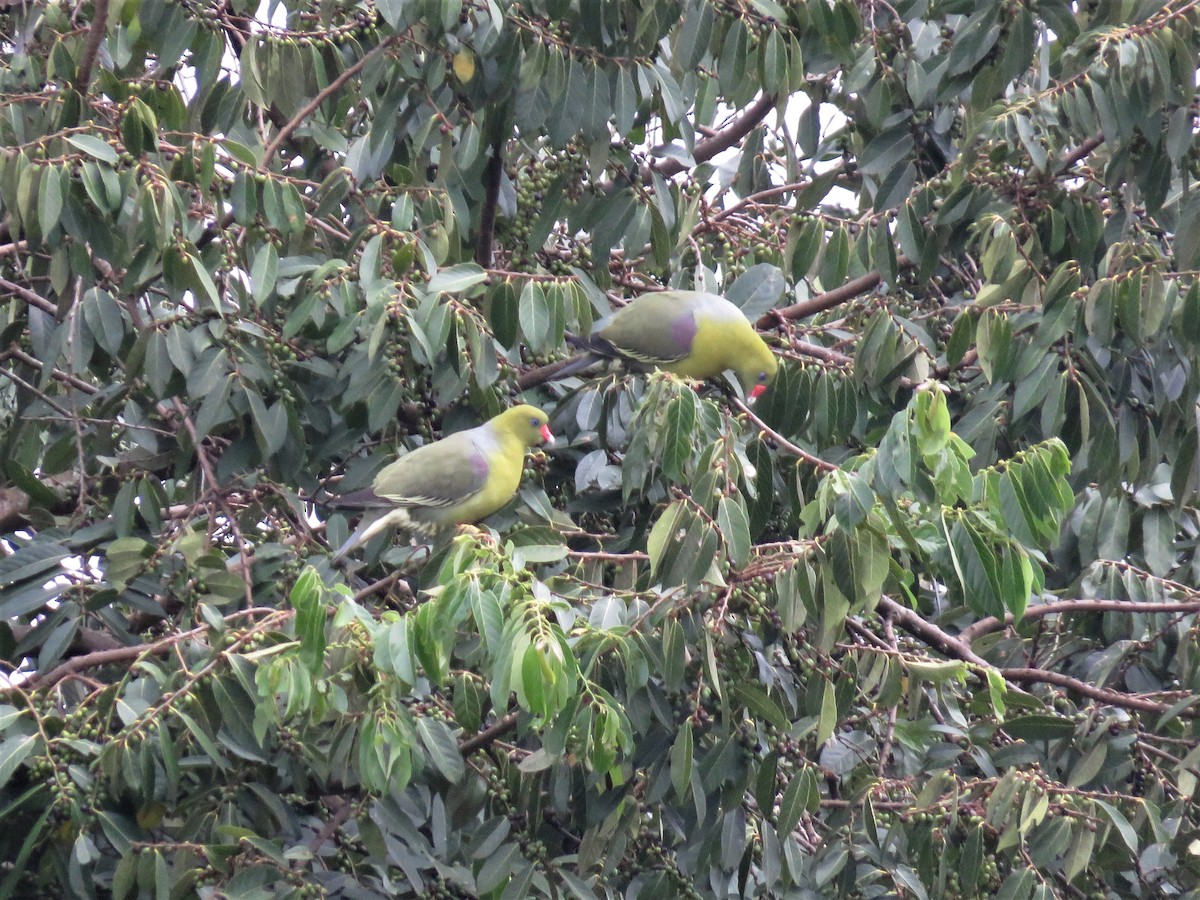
793	804
1158	541
1120	823
94	147
1039	727
679	434
681	762
829	714
264	272
105	319
534	316
1089	765
971	860
497	868
443	750
756	290
13	752
50	199
760	703
456	279
310	619
663	535
735	529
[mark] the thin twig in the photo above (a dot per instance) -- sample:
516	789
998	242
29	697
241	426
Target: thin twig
45	398
1069	160
783	442
889	735
214	486
341	809
757	197
321	96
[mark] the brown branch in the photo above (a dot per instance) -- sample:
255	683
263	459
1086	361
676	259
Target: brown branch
1080	152
83	74
984	626
825	354
86	640
542	374
106	657
706	149
15	352
829	299
955	647
490	734
1104	695
341	809
625	556
911	622
889	735
385	584
35	300
758	196
321	96
62	411
236	28
492	179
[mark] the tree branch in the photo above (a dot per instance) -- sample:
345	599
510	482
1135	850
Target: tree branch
825	354
341	809
321	96
976	630
955	647
784	443
542	374
502	726
911	622
104	658
70	380
123	654
759	196
706	149
1113	698
86	640
492	179
83	74
1069	161
830	299
35	300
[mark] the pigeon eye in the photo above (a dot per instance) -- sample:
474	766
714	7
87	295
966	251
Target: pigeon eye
762	376
535	423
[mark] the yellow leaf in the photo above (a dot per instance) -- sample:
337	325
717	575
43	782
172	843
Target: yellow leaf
464	65
151	815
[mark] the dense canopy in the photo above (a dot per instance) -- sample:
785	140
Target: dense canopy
921	622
